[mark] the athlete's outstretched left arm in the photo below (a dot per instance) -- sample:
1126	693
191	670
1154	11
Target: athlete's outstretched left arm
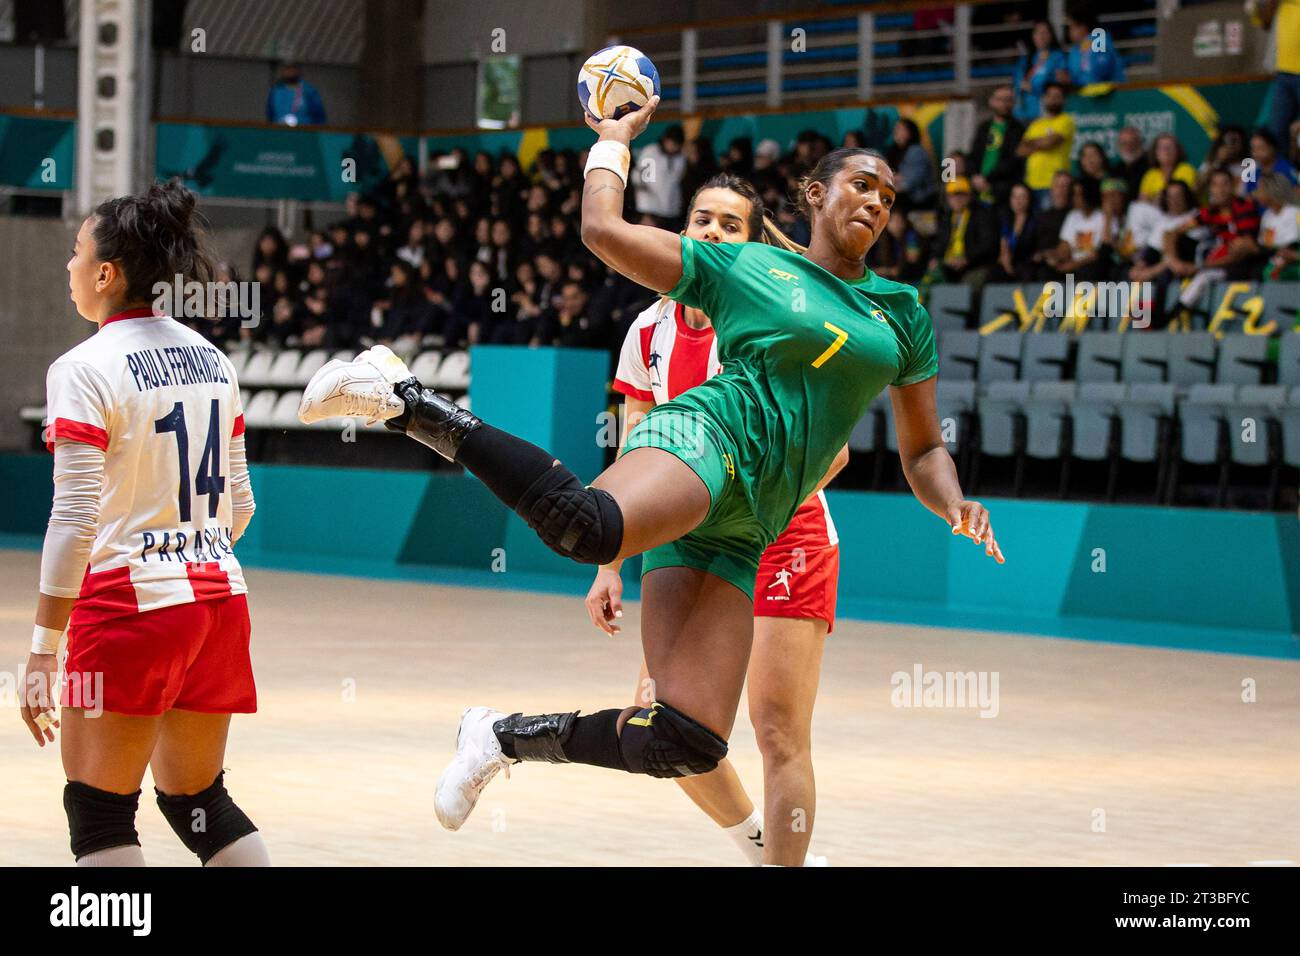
929	468
647	255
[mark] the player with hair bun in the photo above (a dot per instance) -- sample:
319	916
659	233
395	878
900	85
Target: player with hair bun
709	479
151	492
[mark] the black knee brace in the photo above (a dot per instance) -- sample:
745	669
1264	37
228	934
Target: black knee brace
661	741
206	822
574	521
99	820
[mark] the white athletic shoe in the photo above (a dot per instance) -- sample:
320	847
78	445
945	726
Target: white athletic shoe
478	759
362	388
812	859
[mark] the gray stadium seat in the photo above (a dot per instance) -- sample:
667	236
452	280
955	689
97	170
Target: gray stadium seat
311	363
955	403
863	436
1288	359
1199	313
1242	359
959	355
453	373
1095	411
239	359
1252	415
1100	357
886	408
1046	412
1191	358
999	408
257	373
1291	428
258	412
1281	304
1201	416
425	366
1000	357
284	367
285	413
1044	357
1146	357
950	307
999	297
1145	409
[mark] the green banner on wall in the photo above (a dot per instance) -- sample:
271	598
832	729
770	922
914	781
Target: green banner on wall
261	163
37	153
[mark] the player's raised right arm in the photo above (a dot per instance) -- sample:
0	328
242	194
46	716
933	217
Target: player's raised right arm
649	256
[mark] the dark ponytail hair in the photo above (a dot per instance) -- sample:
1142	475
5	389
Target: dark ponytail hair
152	237
825	171
760	227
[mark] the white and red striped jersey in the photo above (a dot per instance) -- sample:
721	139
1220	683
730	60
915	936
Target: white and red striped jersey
163	403
662	357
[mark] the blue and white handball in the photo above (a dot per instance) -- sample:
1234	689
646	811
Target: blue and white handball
616	81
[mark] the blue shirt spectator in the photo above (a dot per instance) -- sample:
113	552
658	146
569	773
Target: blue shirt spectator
1091	60
293	101
1037	67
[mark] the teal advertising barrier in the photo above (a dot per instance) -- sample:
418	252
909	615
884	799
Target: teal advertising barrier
37	152
275	163
1207	580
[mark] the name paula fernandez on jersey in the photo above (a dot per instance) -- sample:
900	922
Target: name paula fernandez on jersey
204	544
175	365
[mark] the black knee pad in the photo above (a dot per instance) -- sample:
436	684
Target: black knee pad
99	820
574	521
206	822
661	741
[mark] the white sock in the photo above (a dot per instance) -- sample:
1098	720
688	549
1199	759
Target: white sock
748	835
248	850
129	855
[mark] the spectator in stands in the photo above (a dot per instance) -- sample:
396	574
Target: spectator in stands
701	164
313	320
966	242
1019	238
471	320
1132	162
1047	144
1078	247
1048	223
913	173
1228	151
406	313
1092	164
739	160
1092	56
569	325
292	100
1168	162
1038	66
1264	151
658	176
1156	253
1286	79
1233	250
271	250
502	256
899	254
1114	254
994	163
526	300
1279	228
412	252
766	175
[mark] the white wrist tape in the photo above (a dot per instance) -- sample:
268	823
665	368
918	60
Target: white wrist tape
45	640
609	154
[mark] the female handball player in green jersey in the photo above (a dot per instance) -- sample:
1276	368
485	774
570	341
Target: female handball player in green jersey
806	342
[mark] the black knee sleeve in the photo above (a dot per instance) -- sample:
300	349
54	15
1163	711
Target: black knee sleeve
99	820
661	741
574	521
206	822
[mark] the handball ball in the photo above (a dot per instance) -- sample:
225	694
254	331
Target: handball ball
616	81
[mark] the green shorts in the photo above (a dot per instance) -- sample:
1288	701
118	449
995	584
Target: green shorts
729	541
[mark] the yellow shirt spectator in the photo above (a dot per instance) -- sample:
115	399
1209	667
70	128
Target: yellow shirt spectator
1154	182
1041	166
1288	36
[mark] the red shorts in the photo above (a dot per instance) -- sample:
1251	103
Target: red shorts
797	582
184	657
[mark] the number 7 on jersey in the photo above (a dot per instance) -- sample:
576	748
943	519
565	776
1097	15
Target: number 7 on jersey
840	338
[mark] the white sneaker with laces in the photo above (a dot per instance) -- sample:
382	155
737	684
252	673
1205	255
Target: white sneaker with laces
478	759
362	388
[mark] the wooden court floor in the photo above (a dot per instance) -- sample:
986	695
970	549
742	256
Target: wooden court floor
1098	753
